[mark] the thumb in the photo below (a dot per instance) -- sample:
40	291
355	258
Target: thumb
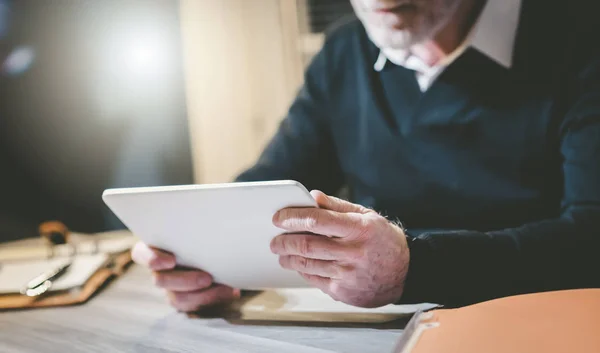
338	205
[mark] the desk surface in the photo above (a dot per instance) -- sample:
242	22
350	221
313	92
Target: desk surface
133	316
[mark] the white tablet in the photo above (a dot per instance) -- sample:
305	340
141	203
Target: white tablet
224	229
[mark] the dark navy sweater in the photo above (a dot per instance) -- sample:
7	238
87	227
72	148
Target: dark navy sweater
494	171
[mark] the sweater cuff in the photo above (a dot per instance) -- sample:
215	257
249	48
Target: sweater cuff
419	279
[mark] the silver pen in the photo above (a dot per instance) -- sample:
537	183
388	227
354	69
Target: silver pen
41	283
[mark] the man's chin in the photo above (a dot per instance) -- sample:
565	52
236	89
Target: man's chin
392	39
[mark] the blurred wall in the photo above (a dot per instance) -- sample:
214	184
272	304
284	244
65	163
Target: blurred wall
91	96
242	70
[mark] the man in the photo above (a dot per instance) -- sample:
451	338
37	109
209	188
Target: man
475	124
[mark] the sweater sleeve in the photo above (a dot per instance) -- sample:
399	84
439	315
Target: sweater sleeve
462	267
302	148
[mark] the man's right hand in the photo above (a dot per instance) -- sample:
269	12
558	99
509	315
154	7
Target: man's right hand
187	289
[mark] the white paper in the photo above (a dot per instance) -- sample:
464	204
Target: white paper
15	275
312	300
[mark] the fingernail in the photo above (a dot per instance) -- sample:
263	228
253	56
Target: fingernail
277	217
204	281
314	193
273	246
161	262
153	260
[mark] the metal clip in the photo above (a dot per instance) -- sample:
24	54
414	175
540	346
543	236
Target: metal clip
43	282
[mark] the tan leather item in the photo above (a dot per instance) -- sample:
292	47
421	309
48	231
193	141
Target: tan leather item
56	235
91	287
551	322
54	232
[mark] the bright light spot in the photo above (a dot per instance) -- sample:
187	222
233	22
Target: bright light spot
135	59
18	61
144	58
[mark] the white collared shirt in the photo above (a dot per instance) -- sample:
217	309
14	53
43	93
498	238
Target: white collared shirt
493	34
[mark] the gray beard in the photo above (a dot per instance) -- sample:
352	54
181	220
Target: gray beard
427	29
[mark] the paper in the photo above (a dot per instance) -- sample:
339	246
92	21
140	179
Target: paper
314	300
14	275
32	249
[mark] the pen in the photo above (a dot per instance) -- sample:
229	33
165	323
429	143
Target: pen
45	278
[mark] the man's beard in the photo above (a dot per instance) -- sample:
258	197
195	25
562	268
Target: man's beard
426	26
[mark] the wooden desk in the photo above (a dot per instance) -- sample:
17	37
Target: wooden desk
133	316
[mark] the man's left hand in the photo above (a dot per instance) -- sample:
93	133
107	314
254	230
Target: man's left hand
348	251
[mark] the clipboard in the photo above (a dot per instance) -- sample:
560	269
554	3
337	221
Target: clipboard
56	242
549	322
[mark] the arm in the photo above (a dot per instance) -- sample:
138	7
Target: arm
303	149
458	268
360	258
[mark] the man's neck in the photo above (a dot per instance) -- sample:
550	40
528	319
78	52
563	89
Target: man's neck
451	36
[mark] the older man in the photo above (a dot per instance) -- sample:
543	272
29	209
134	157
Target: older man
475	124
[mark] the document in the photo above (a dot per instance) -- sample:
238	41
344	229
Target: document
314	300
15	275
312	305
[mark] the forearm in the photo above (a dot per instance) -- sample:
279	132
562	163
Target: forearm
301	150
262	171
464	267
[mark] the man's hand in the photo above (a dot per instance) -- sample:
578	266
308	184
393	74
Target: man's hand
187	290
346	250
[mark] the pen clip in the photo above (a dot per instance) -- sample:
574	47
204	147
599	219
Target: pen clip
43	282
37	291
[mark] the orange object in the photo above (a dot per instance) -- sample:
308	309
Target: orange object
54	232
550	322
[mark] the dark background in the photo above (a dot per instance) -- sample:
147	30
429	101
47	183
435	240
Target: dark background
323	13
85	114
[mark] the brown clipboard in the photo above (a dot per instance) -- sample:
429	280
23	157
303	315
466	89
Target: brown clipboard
117	265
55	233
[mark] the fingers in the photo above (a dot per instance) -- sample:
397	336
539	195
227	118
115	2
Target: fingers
188	290
336	204
328	269
319	282
182	280
196	300
313	246
319	221
155	259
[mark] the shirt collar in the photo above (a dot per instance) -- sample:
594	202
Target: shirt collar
496	30
493	34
